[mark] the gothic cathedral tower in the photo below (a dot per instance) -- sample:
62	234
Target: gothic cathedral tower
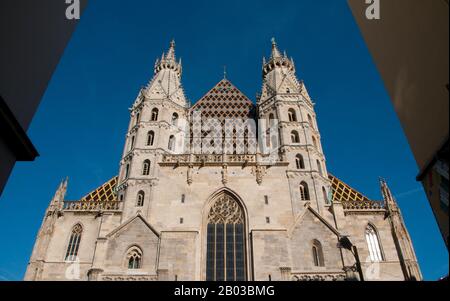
154	123
285	99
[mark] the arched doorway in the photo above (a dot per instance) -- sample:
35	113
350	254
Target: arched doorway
225	240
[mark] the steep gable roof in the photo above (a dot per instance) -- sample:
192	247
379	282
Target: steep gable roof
138	217
309	210
224	101
106	192
343	192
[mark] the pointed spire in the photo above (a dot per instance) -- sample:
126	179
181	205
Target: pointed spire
168	61
389	200
58	198
171	53
275	52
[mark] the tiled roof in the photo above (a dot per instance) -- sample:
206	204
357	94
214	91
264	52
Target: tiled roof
106	192
224	101
344	193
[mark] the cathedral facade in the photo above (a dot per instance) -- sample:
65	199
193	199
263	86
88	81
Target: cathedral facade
225	189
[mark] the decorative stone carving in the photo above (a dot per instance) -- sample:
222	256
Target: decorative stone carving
130	278
189	174
362	205
224	174
225	211
92	206
259	171
319	277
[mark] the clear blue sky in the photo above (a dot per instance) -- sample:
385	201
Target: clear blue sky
80	126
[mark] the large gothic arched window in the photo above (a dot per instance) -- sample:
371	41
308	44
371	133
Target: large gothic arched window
225	246
373	244
74	243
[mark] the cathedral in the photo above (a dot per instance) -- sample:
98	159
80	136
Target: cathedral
225	189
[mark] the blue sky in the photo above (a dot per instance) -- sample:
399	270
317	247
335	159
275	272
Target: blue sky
80	126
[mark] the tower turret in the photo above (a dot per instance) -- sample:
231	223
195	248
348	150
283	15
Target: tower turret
45	233
157	123
401	236
284	98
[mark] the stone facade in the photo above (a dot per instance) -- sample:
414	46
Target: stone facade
155	220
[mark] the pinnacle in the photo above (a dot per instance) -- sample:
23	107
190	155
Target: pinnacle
275	52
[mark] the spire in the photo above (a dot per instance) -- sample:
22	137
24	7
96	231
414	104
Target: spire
275	52
171	53
389	200
58	198
403	243
277	60
168	61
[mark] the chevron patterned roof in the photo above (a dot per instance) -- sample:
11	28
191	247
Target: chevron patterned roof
224	101
106	192
344	193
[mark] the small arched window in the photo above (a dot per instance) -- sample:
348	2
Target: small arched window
325	196
138	117
319	167
268	138
140	199
150	138
127	170
74	243
310	121
132	142
154	116
299	163
175	119
288	90
146	168
317	254
295	138
171	145
373	244
134	258
271	119
291	114
304	191
314	141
